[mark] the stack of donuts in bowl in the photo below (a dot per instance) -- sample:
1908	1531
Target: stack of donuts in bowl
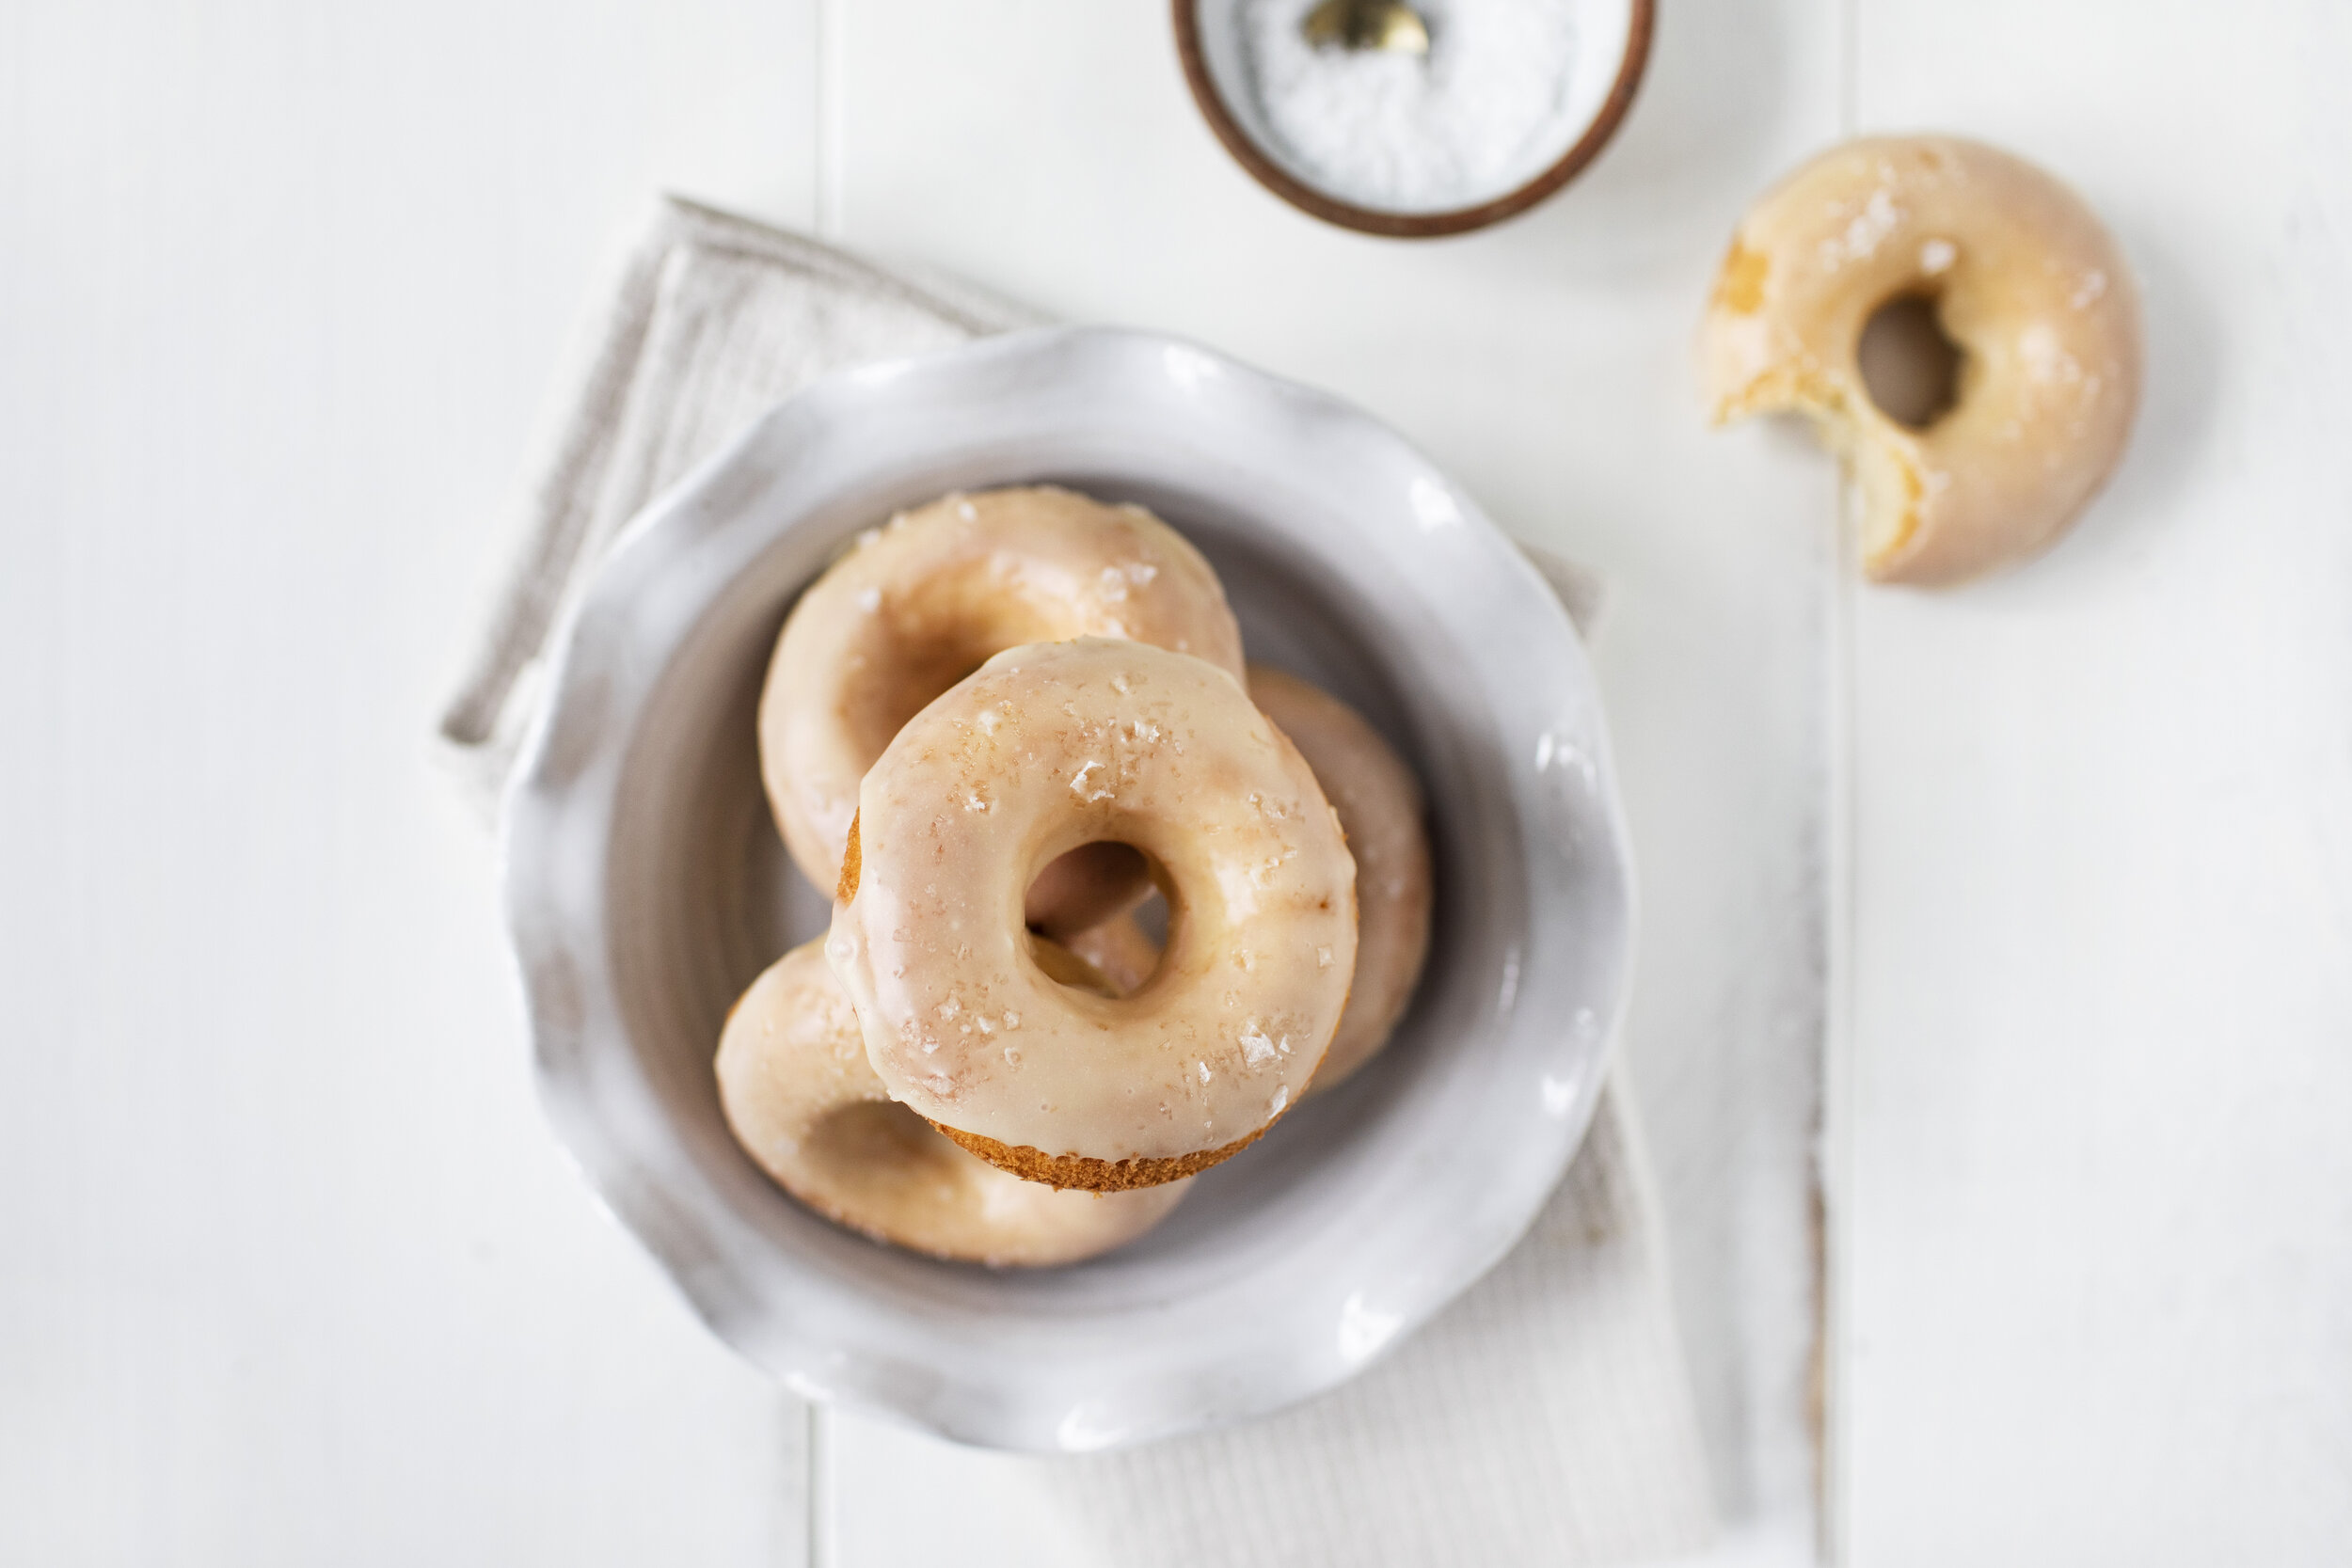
995	727
649	884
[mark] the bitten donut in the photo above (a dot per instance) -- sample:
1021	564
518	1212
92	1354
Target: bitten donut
917	604
1379	807
2025	280
805	1105
1043	749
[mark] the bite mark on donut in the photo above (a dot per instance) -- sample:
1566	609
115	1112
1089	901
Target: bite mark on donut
1907	520
1805	389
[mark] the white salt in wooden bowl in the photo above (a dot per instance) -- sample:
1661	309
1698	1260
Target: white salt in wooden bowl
1606	49
646	887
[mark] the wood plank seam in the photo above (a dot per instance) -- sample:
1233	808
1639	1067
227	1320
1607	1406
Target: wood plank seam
1834	1162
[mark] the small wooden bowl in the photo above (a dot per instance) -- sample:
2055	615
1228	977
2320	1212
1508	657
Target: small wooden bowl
1409	226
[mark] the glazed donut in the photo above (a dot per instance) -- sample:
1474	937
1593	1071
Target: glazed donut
917	604
1379	808
2026	283
1040	749
801	1100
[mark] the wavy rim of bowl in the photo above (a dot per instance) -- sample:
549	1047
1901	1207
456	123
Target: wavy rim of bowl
570	1000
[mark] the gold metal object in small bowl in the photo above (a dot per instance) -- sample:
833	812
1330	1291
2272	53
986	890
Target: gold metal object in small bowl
1388	25
1204	33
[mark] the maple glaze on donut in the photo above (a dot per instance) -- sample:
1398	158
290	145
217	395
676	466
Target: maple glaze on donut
1043	748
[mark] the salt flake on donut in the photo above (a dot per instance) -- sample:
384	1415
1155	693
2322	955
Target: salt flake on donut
2024	280
1073	743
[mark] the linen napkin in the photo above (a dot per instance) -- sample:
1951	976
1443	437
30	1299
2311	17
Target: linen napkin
1547	1416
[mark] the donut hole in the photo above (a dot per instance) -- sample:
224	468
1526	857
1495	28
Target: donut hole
1119	892
1078	890
1126	949
923	667
878	1135
930	638
1150	918
1909	366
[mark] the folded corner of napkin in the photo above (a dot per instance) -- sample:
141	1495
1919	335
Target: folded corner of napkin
705	323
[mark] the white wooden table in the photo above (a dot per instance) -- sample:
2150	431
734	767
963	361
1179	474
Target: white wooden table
2055	873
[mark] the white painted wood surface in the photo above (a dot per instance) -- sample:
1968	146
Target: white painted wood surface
289	1270
2097	1239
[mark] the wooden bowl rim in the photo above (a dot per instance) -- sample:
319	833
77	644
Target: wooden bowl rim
1412	225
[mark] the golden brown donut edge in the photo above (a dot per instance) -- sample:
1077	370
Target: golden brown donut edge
851	864
1099	1176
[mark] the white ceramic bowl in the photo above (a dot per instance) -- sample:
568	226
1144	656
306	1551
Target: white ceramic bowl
646	888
